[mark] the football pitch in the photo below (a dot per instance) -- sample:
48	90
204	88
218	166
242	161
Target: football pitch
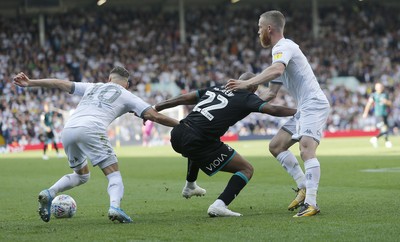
359	197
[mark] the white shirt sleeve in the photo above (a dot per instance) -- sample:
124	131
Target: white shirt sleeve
281	53
80	88
137	105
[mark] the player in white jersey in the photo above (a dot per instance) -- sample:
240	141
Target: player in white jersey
291	69
85	134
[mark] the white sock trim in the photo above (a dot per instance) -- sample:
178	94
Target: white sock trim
311	163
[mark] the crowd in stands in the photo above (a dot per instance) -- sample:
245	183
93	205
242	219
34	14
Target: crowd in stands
83	45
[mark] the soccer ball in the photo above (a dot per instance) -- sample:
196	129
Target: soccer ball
63	206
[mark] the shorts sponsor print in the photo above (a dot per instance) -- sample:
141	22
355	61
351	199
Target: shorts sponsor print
209	155
214	162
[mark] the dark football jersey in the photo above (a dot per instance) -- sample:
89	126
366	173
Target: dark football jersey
218	109
380	108
48	119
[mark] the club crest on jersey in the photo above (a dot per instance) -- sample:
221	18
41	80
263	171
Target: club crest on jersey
277	56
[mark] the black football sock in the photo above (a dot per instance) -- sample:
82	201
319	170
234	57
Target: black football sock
55	146
235	185
192	171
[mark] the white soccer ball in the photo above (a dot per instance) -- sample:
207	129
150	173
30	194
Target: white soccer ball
63	206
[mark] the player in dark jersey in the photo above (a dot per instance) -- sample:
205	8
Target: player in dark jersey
381	102
49	131
197	137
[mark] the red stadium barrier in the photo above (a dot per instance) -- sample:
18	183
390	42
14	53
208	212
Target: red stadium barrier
349	133
19	148
233	137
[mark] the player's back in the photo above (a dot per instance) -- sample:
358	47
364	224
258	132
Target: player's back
102	103
218	109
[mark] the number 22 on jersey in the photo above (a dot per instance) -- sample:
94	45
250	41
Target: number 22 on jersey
213	102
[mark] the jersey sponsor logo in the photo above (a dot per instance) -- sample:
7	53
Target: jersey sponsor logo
217	162
277	56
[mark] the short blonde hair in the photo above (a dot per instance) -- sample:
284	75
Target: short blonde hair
275	18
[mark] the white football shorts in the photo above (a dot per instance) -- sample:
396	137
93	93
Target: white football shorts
81	143
310	120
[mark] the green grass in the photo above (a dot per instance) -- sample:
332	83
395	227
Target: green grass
355	205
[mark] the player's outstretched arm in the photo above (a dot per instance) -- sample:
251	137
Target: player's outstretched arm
271	92
271	73
23	80
278	111
153	115
185	99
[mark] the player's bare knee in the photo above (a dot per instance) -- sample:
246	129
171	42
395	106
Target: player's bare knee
307	154
248	171
275	149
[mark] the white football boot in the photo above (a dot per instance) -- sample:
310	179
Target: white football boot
189	192
119	215
45	199
374	142
221	211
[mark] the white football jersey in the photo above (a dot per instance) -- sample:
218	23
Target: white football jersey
298	77
101	103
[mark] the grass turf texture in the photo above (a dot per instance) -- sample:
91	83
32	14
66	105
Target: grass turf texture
355	205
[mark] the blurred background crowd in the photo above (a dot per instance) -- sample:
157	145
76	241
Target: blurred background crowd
82	45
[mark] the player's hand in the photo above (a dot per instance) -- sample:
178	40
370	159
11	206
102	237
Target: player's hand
21	80
365	115
234	85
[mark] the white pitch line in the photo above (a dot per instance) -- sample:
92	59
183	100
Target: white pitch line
393	169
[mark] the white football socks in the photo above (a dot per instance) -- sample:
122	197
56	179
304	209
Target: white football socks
115	188
291	165
67	182
313	173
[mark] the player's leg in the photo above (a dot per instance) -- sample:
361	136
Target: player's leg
384	131
187	143
243	171
191	188
380	125
100	152
53	140
81	174
45	144
308	147
279	148
311	124
115	190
